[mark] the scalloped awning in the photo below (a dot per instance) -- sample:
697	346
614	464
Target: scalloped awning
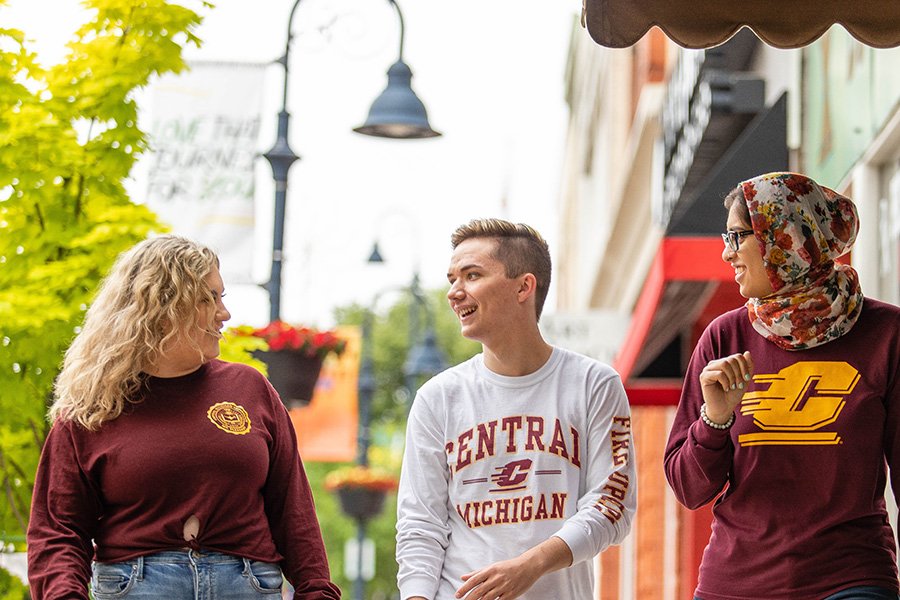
707	23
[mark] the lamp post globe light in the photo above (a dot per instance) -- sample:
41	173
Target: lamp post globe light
397	113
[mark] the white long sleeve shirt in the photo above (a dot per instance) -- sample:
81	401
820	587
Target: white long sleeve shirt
495	465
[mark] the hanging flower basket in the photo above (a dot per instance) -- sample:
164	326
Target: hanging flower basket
294	357
361	491
361	503
292	374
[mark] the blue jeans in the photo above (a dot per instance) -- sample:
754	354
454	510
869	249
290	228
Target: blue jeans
186	575
864	593
860	593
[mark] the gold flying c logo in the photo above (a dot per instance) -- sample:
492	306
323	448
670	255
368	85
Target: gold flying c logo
792	406
229	417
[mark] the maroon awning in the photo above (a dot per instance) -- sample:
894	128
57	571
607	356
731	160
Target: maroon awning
707	23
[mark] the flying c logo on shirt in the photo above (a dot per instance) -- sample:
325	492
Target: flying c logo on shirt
511	476
229	417
797	402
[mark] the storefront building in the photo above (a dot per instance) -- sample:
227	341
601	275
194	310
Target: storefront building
657	136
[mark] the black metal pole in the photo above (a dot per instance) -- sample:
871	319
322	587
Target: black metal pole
402	28
416	303
365	391
280	157
359	585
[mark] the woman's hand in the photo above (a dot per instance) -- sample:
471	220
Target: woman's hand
723	382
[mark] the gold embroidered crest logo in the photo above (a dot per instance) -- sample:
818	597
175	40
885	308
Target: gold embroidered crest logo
229	417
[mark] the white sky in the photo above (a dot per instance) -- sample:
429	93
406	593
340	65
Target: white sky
490	73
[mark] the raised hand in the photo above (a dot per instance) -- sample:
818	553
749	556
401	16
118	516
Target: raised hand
723	382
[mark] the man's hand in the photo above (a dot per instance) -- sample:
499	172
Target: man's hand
723	382
508	579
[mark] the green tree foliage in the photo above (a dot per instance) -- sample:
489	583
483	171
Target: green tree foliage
11	588
390	403
68	139
391	343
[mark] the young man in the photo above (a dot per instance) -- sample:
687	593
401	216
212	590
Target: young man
518	466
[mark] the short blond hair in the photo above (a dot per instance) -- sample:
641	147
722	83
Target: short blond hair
149	298
520	248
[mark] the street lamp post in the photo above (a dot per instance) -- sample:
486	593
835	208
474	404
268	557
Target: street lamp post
420	358
366	387
280	157
424	357
397	113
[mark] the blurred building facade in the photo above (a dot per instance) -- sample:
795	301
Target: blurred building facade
657	136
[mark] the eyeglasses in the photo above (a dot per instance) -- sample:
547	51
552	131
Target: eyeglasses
732	239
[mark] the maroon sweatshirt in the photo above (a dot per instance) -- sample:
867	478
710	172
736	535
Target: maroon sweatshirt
803	468
216	443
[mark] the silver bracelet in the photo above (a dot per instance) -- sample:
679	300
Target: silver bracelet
709	422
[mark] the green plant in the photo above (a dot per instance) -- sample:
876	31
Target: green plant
11	587
69	136
235	347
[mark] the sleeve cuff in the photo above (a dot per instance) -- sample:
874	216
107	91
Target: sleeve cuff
708	438
418	585
578	540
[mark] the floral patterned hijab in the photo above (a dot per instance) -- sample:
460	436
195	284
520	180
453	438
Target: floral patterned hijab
802	228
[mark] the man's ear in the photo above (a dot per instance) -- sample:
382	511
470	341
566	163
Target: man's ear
527	287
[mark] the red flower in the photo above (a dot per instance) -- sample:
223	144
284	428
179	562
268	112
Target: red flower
282	336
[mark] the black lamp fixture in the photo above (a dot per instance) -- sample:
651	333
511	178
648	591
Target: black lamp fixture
424	358
397	112
375	256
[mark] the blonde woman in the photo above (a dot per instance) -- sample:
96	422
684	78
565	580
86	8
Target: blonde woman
168	473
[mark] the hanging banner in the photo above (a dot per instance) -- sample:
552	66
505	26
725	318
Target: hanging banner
204	135
328	427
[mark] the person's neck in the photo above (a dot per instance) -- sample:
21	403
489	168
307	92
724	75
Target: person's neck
170	371
518	358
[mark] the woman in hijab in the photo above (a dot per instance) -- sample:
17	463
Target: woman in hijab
169	474
790	412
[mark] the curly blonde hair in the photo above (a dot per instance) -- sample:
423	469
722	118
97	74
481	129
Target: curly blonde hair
149	299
